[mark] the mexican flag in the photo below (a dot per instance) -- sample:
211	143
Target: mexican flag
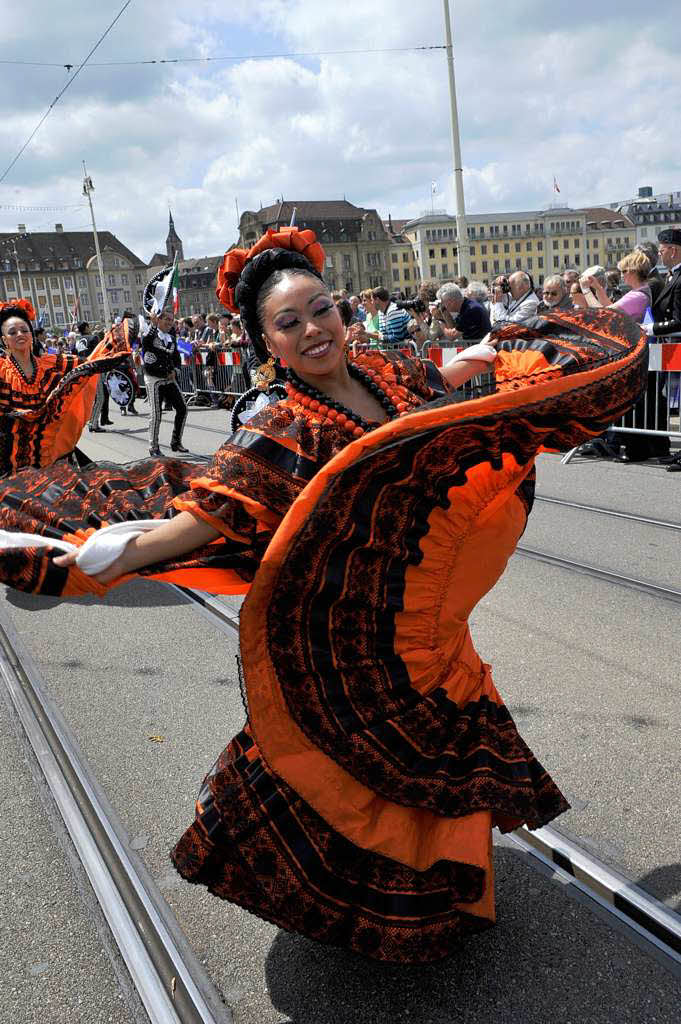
175	284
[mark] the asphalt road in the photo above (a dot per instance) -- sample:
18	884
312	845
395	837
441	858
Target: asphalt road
590	672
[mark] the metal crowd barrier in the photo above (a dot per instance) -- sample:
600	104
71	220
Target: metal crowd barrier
657	412
201	384
439	352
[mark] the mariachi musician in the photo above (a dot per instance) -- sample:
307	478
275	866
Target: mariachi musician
161	359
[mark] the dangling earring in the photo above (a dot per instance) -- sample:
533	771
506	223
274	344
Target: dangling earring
265	374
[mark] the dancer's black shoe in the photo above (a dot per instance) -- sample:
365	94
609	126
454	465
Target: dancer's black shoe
177	446
154	450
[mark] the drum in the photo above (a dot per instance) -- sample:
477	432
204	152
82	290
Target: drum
120	387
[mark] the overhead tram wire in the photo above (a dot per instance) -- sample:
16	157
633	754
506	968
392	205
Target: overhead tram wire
226	58
61	93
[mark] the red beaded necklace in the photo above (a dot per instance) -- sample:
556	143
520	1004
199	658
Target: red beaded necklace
334	413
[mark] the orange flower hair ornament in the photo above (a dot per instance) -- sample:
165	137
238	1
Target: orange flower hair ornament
304	242
23	304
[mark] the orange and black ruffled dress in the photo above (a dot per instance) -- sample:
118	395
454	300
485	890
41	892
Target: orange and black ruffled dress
356	806
42	419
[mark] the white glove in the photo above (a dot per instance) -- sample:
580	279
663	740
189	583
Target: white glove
482	352
648	328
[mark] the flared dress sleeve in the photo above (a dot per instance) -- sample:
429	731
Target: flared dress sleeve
244	493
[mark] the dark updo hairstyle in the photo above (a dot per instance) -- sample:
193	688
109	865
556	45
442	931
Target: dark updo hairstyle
258	278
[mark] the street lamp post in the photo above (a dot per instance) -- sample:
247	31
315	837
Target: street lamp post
88	189
462	248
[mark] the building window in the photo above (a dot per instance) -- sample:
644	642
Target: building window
540	261
127	297
576	259
483	250
433	271
138	279
124	278
566	243
393	257
507	247
556	262
56	300
140	296
347	263
428	235
495	248
112	279
472	268
444	270
42	300
496	266
59	317
396	275
540	246
576	242
372	236
484	266
54	284
555	243
431	254
507	265
100	298
518	264
517	246
529	263
40	284
82	281
407	274
68	284
528	246
443	254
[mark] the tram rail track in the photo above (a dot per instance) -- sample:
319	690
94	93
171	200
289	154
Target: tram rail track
170	983
614	513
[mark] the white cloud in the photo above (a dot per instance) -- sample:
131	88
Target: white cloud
560	89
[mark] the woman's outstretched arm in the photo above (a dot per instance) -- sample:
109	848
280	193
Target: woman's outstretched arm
174	537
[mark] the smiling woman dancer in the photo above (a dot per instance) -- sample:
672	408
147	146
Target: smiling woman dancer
45	400
366	514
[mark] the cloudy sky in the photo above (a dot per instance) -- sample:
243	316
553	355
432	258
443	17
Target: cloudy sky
586	92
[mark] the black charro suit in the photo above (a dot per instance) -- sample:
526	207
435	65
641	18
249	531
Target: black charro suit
667	306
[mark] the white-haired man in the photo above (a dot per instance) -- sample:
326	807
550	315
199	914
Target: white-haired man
461	317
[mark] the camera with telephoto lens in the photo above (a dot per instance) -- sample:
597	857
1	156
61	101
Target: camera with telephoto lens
412	305
502	285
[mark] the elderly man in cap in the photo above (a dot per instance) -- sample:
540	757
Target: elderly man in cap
667	305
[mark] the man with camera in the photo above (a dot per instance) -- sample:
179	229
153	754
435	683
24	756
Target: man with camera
458	316
513	298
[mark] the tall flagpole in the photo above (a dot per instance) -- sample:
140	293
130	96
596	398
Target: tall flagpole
16	257
88	189
462	248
